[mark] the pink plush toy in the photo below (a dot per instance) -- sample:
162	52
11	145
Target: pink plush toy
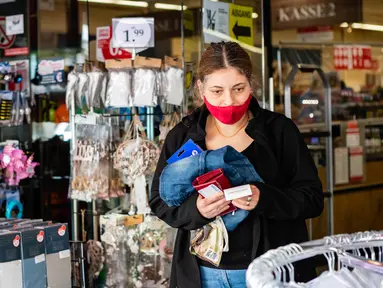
16	165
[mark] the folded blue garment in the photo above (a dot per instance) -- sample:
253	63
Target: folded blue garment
176	178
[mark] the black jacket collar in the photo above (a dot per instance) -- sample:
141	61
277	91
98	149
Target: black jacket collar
196	121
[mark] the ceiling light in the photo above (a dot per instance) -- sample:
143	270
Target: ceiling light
367	27
344	25
310	102
119	2
254	15
169	6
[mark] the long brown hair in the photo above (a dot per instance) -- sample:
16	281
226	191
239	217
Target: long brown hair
220	56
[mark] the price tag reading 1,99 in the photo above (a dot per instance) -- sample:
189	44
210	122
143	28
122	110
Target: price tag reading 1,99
133	32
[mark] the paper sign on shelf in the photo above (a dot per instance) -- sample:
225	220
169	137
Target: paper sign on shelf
341	165
14	24
352	134
356	164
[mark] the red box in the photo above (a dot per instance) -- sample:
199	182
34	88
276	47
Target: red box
217	178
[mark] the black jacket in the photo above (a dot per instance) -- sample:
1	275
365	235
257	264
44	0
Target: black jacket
292	191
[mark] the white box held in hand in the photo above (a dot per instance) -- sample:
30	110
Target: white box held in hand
237	192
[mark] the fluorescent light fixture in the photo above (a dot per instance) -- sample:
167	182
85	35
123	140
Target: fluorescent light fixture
118	2
169	6
254	15
367	27
228	38
344	25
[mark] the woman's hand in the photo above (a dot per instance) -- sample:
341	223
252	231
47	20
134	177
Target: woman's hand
248	202
213	206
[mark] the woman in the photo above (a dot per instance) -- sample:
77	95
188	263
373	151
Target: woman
291	192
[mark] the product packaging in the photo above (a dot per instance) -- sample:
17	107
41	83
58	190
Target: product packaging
10	260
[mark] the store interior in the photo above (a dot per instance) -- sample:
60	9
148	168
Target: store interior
51	125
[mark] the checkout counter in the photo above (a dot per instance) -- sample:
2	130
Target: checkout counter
353	183
358	175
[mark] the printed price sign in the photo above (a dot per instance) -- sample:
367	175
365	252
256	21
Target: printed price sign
352	57
133	32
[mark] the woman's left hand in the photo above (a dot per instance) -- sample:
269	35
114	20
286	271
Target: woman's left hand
248	202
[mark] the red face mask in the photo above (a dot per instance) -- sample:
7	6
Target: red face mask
228	114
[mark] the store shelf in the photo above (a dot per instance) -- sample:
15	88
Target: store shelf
374	157
355	104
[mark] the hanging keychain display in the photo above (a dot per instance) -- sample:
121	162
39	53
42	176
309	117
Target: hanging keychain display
93	174
135	158
166	125
95	260
136	155
138	255
135	254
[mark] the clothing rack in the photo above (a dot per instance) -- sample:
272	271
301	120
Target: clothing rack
327	132
362	250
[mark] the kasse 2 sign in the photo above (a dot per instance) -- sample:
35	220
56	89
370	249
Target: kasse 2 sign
307	12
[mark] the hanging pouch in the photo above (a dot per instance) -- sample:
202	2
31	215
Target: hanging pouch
144	87
118	93
83	84
72	84
175	86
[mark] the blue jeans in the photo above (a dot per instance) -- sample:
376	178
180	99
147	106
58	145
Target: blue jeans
218	278
176	178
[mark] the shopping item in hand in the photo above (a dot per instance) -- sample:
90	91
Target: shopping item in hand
209	242
186	150
177	178
214	179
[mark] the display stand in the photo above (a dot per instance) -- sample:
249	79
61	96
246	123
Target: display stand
325	133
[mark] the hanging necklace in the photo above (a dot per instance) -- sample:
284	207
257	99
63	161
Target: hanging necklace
231	136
